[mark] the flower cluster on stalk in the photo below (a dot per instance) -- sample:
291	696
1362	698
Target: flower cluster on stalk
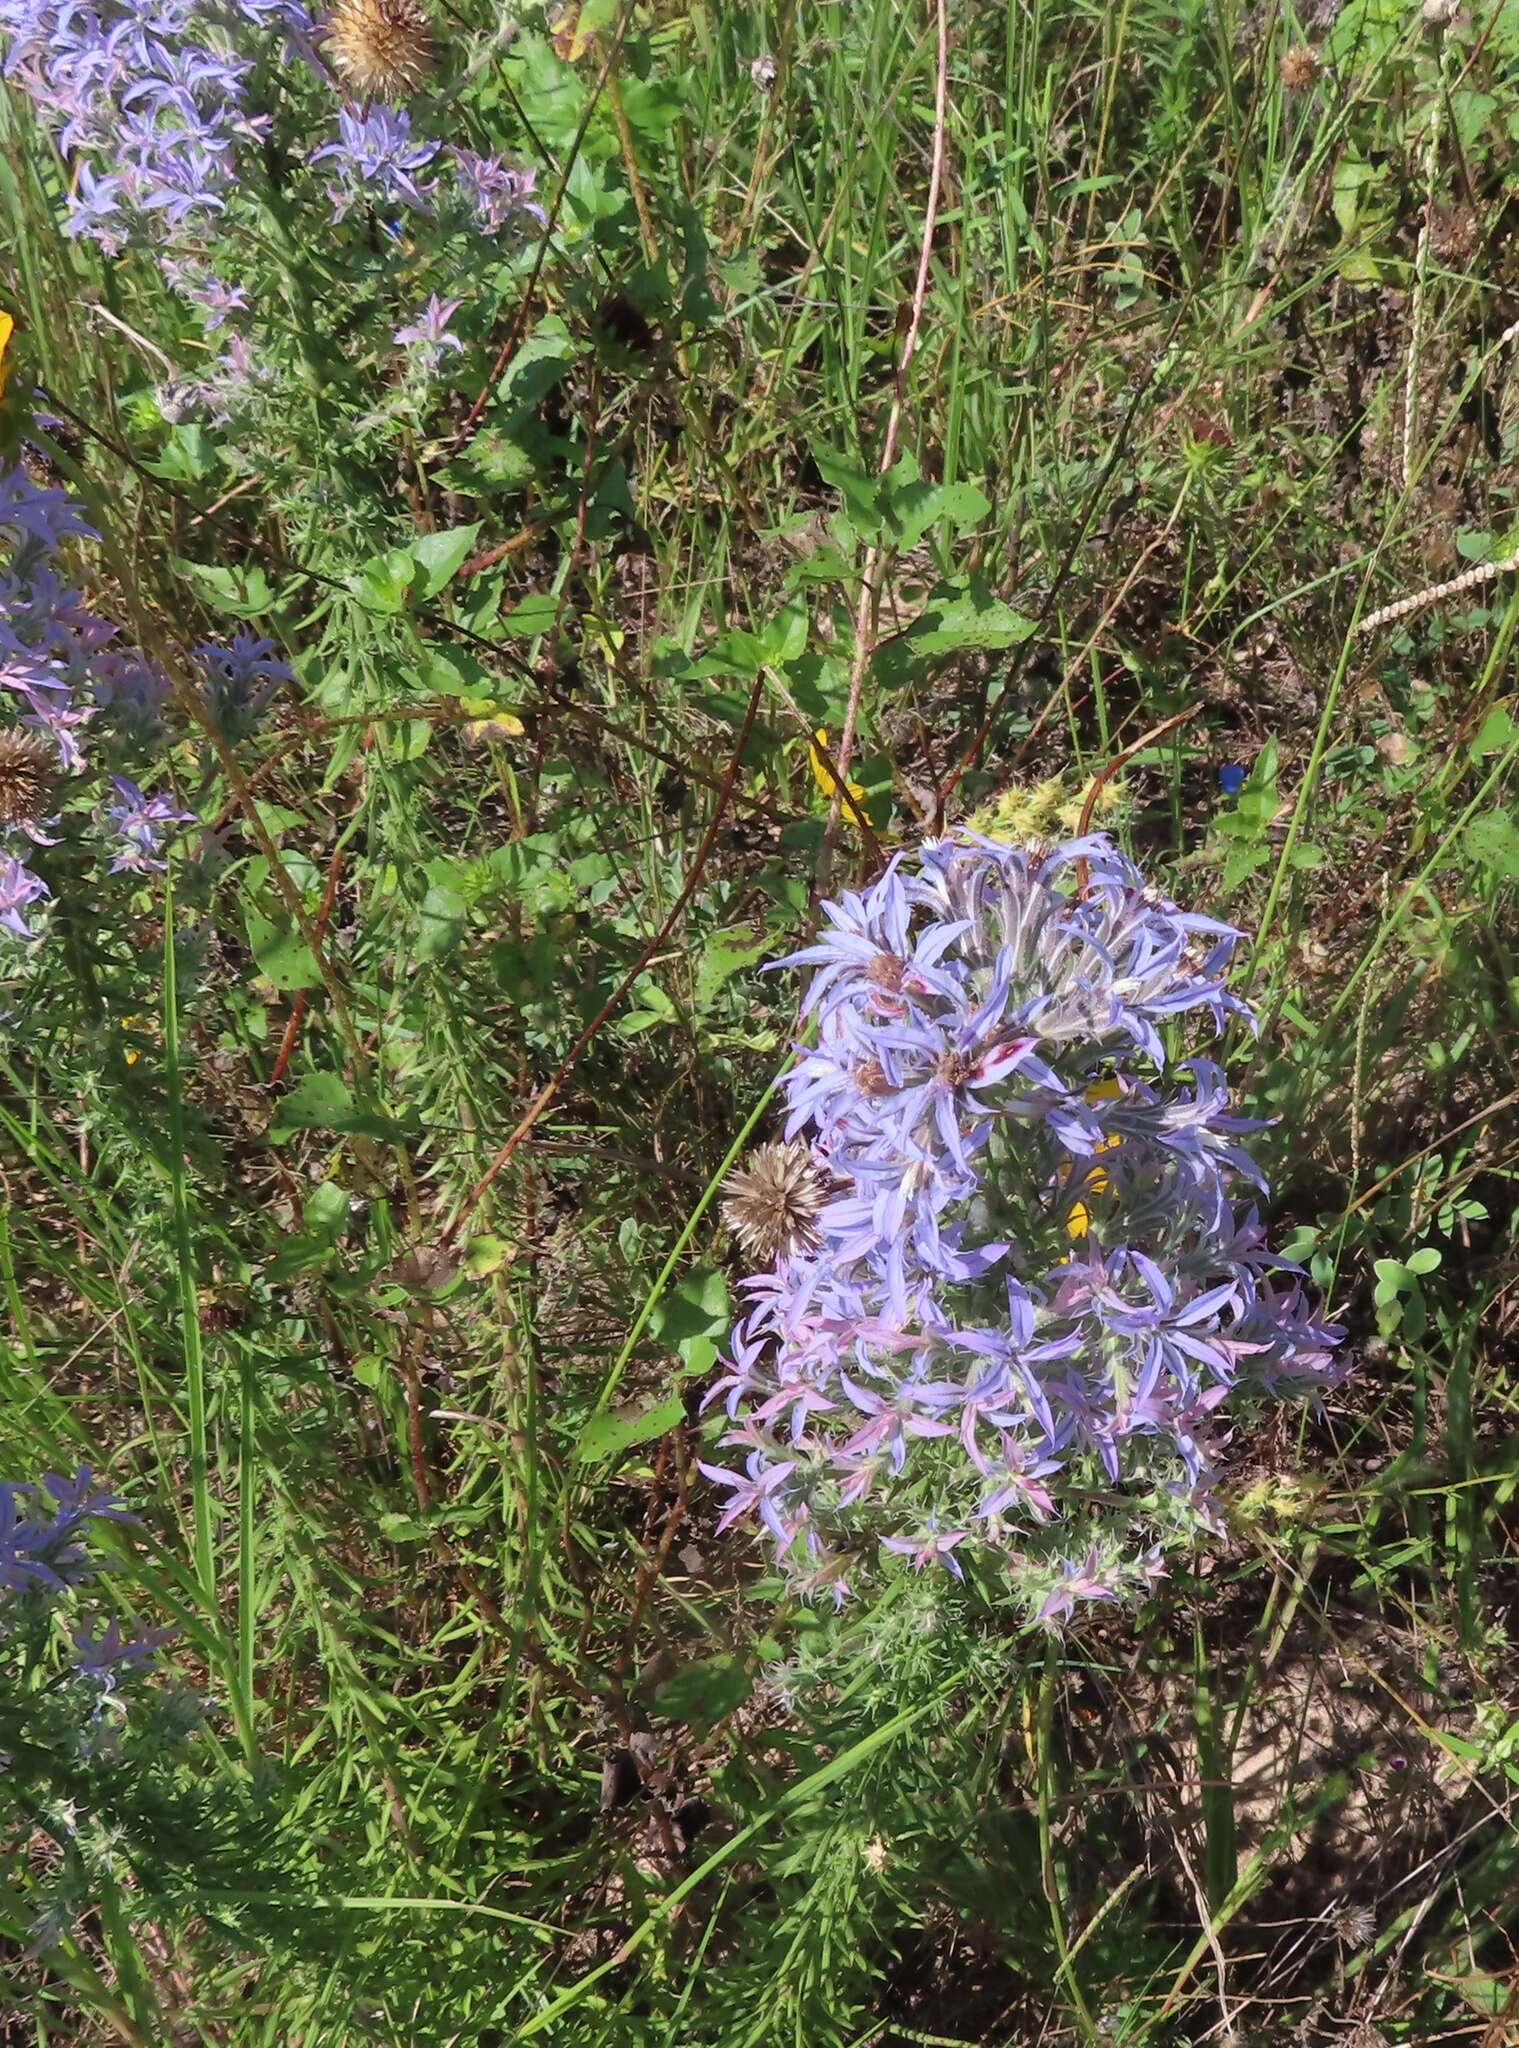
65	680
146	101
1034	1288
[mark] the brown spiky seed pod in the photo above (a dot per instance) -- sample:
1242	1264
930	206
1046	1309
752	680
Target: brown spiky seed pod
381	49
772	1204
26	777
1300	67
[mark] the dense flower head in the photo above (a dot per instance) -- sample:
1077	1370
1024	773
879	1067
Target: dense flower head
380	49
1038	1288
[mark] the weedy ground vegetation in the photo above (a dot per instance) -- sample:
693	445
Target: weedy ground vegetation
504	516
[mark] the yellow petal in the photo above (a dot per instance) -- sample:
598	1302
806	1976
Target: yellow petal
822	768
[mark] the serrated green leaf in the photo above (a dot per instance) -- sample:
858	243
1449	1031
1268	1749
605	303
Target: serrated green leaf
693	1319
915	507
861	493
453	672
1492	841
968	618
322	1102
705	1693
720	960
442	922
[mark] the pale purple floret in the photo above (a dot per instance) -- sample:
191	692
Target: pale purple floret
39	518
108	1658
147	108
429	335
496	192
1036	1290
19	889
377	158
140	824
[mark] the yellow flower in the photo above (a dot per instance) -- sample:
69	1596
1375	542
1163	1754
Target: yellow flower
7	329
822	768
1110	795
1094	1181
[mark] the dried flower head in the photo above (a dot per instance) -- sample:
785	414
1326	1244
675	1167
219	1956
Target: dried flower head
1300	68
1355	1923
27	767
772	1204
382	49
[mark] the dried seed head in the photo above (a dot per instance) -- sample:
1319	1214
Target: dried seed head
772	1204
1355	1924
27	768
381	49
1300	67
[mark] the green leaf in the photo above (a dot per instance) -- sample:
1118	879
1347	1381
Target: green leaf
785	638
533	617
1492	841
282	954
968	617
487	1254
440	556
721	959
326	1211
861	493
189	457
451	672
918	506
382	583
1424	1260
693	1319
705	1693
607	1436
245	593
322	1102
443	920
1495	732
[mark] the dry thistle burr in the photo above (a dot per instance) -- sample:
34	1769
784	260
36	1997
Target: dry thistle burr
1300	67
26	777
381	49
772	1204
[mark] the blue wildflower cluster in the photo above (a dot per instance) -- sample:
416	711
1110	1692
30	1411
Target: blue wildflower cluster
148	105
63	675
1033	1286
153	108
45	1556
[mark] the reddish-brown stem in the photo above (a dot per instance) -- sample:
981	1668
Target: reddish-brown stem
292	1032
